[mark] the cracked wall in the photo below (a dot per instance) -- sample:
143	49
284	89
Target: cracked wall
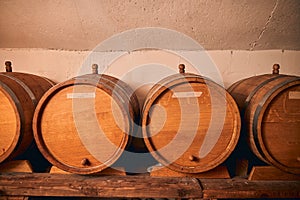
216	25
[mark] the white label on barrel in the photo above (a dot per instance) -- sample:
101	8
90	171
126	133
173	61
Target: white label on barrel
81	95
186	94
294	95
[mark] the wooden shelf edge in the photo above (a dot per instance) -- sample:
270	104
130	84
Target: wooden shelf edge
243	188
70	185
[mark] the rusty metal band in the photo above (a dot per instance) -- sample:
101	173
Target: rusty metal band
25	87
253	92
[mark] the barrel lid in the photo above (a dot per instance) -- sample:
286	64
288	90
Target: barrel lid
81	125
190	124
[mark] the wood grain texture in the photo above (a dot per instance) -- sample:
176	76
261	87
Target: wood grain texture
91	186
13	198
270	108
217	172
241	188
84	124
190	124
107	171
19	94
40	184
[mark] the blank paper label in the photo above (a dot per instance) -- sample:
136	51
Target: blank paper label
294	95
81	95
186	94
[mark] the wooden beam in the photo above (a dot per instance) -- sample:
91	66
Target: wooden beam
70	185
242	188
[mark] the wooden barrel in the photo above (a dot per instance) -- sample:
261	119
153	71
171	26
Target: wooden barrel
19	95
190	124
84	124
270	109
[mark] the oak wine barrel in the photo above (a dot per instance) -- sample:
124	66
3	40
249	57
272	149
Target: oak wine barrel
19	95
190	124
84	124
270	109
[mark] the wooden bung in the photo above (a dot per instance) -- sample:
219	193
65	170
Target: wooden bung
8	67
270	109
19	94
190	124
84	124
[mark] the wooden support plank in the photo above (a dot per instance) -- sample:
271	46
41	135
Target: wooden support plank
13	198
271	173
16	166
242	188
70	185
242	167
106	172
56	170
218	172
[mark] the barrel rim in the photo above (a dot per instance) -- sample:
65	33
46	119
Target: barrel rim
39	139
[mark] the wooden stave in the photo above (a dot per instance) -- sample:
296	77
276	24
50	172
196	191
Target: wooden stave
106	83
172	80
23	96
252	111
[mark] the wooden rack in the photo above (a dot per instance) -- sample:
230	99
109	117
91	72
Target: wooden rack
141	186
